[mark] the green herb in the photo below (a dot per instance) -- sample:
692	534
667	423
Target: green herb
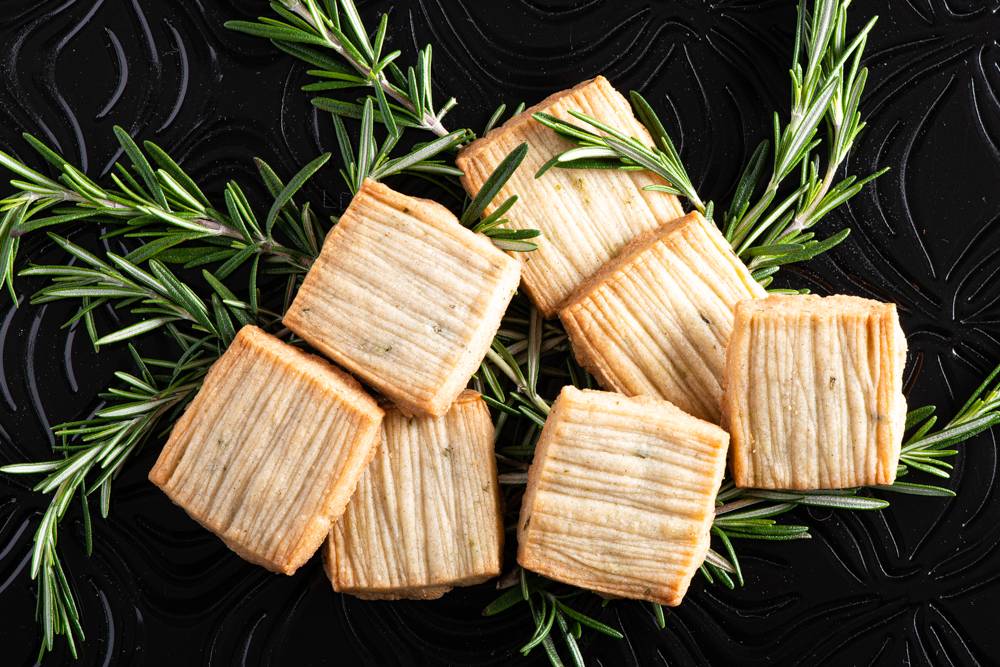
767	231
549	605
155	204
748	513
527	342
165	215
512	352
498	114
374	161
767	222
492	225
926	449
310	29
608	148
94	451
765	235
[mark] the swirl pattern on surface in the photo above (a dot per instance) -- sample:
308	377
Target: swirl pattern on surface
917	583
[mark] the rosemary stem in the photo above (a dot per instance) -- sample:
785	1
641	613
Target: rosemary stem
696	201
540	403
297	260
736	505
800	219
429	121
265	246
505	368
758	209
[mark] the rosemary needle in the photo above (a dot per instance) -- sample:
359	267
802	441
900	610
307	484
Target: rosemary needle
152	204
166	217
133	412
310	30
766	230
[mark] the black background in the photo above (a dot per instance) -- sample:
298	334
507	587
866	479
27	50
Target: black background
916	583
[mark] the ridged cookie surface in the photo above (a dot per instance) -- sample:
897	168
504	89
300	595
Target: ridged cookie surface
404	297
585	215
426	514
656	320
814	396
621	495
270	450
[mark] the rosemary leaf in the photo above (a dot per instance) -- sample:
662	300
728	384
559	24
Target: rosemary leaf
765	234
310	29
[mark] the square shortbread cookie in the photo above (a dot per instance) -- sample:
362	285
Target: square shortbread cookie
270	450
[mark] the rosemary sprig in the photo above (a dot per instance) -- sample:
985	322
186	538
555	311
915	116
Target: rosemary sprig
827	85
492	225
94	451
741	513
605	147
163	207
510	354
766	232
549	605
310	29
813	89
927	450
172	221
749	513
158	204
157	295
528	348
176	224
373	161
773	235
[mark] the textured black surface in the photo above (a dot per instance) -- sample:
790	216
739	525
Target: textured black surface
916	584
